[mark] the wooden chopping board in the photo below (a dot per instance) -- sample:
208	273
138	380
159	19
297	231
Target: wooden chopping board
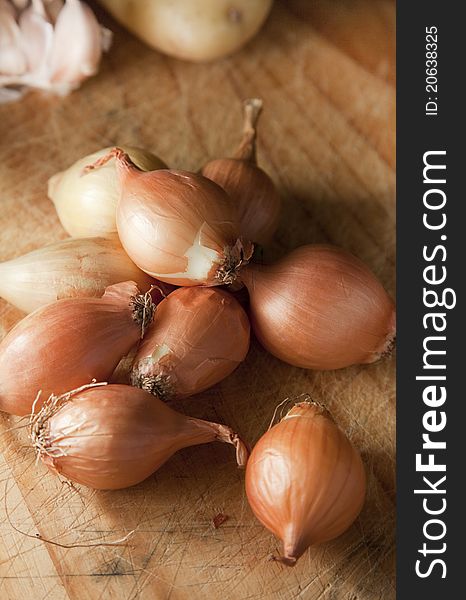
325	70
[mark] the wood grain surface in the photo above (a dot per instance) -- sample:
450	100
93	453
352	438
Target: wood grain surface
325	70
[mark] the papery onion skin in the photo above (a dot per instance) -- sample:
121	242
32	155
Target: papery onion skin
86	206
199	337
67	344
320	307
71	268
116	436
178	227
256	200
305	481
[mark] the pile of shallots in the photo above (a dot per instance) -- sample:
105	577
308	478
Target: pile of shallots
139	296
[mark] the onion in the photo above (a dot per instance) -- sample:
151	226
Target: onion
177	226
252	190
112	437
86	206
199	337
304	480
72	268
68	343
320	308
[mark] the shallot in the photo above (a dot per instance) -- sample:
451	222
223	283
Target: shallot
72	268
69	343
253	192
115	436
177	226
199	336
320	307
305	481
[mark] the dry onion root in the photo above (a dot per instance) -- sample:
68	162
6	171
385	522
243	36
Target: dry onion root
68	343
199	337
86	206
253	192
319	307
177	226
304	480
72	268
115	436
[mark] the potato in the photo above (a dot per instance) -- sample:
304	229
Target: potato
195	30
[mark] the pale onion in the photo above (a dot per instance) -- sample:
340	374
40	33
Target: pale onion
86	206
177	226
320	307
115	436
195	30
304	480
253	192
72	268
199	336
68	343
49	45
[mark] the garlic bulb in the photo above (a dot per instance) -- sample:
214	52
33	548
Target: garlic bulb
114	436
86	205
72	268
48	45
304	480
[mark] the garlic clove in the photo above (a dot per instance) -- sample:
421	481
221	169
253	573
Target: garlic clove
70	63
37	38
256	200
35	53
12	58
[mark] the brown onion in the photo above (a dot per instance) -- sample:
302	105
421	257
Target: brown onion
68	343
72	268
115	436
200	335
320	307
177	226
304	480
256	199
